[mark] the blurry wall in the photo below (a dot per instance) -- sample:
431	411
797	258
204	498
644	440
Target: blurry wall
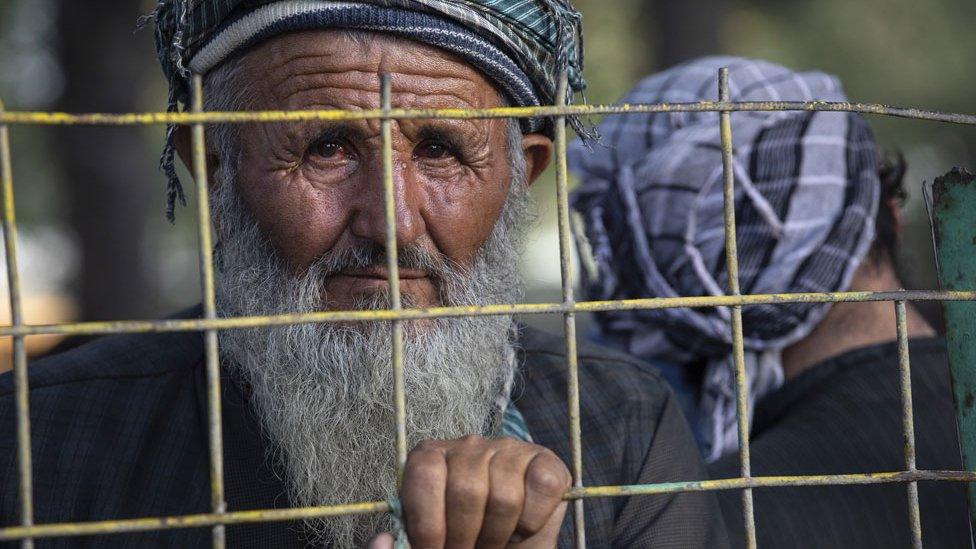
91	201
108	194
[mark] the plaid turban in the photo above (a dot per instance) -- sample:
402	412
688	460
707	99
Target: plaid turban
521	45
806	195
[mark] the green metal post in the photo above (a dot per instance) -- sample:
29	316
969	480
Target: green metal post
954	229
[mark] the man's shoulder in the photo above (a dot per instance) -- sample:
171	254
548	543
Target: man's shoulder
549	350
602	370
117	357
630	430
102	416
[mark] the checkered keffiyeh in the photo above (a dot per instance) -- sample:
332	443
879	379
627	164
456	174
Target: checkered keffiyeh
521	45
807	192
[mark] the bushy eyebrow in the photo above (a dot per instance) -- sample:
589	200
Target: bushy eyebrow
462	137
338	130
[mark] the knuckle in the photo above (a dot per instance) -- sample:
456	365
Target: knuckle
468	490
426	445
471	440
548	477
426	468
430	471
508	444
505	500
424	453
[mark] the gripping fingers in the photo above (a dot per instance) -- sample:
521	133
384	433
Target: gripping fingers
467	490
493	493
548	536
424	485
546	480
507	496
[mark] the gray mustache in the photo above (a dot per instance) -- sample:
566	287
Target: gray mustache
374	255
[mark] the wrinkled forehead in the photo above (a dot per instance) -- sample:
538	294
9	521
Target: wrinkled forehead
340	69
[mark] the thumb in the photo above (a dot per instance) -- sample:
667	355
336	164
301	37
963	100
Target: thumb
381	541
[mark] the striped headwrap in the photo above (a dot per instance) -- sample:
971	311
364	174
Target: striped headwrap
807	192
521	45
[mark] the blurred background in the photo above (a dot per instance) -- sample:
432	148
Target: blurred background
94	241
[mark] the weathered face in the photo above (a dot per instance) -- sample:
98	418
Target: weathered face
317	187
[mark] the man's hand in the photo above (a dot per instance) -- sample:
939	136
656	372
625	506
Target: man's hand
486	493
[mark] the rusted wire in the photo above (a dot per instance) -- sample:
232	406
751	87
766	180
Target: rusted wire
162	118
199	324
569	317
25	490
568	308
301	513
393	275
908	421
214	425
732	268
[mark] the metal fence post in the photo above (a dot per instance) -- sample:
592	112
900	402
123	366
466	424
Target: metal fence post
954	230
9	222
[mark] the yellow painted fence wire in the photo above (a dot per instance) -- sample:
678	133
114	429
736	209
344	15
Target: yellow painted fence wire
210	324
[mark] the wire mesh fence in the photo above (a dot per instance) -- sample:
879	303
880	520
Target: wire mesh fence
210	324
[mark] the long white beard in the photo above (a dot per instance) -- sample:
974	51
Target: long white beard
324	391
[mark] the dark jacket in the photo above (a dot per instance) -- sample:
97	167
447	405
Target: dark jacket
844	416
119	430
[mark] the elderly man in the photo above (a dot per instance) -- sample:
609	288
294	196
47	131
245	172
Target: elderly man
119	425
816	212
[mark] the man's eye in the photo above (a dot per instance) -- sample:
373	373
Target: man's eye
330	150
434	150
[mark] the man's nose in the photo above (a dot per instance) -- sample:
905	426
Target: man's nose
370	218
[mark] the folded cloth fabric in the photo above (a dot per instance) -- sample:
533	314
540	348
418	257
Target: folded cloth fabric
806	195
521	45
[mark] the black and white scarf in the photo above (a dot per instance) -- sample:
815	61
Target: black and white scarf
806	196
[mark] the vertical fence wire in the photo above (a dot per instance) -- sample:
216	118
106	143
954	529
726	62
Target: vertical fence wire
573	390
569	318
393	272
732	264
26	487
908	421
216	437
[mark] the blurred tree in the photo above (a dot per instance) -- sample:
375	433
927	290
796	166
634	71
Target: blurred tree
108	203
684	30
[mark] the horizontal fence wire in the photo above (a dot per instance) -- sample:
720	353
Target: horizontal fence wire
227	323
301	513
151	118
210	324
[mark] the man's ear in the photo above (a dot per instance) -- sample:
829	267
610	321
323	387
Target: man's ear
537	150
184	148
897	219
